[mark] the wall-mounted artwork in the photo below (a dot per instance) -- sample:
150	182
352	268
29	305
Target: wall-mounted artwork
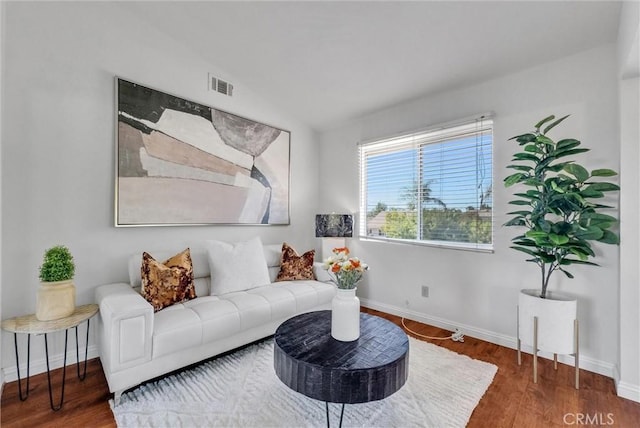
183	163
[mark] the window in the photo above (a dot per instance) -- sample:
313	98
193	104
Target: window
432	187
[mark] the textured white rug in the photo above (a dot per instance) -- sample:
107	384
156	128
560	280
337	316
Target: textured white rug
242	390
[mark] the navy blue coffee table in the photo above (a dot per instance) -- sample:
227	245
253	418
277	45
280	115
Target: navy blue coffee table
308	360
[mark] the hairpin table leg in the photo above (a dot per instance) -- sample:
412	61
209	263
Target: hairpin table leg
64	371
15	342
86	354
327	407
341	414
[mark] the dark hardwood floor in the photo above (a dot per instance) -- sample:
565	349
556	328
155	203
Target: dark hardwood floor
512	400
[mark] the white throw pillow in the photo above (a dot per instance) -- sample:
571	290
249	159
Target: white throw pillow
236	267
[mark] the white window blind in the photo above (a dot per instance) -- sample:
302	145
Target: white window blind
431	187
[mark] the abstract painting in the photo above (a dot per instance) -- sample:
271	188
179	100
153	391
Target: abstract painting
184	163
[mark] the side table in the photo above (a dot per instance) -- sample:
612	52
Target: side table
29	324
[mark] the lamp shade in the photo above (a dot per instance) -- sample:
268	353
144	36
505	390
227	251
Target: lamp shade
334	226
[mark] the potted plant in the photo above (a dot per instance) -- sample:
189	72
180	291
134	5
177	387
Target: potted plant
561	218
57	294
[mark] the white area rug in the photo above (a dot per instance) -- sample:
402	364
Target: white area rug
242	390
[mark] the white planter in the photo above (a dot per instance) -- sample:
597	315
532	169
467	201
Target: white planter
55	300
556	318
345	315
549	325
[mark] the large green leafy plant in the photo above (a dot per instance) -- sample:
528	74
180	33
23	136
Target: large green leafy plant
57	265
559	208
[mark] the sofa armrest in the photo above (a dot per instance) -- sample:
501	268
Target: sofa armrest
321	274
126	327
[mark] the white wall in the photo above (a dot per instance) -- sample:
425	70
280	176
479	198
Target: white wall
628	383
629	40
2	34
628	376
474	290
58	146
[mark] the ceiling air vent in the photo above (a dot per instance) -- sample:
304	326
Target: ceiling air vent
220	85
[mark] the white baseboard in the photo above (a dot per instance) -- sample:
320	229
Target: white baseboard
39	365
625	389
628	391
586	363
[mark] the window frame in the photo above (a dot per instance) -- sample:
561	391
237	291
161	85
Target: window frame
476	125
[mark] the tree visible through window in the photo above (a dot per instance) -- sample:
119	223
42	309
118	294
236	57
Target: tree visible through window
433	187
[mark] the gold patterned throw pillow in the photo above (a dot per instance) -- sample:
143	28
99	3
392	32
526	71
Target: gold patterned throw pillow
294	267
169	282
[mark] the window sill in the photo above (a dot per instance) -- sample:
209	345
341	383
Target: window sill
478	248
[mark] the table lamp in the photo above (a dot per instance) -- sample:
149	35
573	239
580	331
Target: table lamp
333	228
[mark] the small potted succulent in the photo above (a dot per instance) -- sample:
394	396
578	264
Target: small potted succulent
57	294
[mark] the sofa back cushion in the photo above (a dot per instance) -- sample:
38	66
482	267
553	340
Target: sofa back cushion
272	254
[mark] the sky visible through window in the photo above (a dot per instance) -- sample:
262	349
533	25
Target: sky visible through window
449	167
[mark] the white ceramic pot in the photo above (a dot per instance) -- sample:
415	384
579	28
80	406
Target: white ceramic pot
556	316
55	300
345	315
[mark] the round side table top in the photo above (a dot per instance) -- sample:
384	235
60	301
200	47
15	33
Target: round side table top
30	324
308	360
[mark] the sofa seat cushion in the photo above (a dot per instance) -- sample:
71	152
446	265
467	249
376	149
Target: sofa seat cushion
254	309
174	329
309	294
281	300
220	318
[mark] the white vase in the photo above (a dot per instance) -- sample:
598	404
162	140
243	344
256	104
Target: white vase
345	315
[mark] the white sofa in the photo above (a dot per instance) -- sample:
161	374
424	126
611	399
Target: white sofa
137	344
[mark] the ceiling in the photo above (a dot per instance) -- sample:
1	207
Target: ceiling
329	62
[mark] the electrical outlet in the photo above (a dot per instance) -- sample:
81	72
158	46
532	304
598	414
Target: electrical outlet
425	291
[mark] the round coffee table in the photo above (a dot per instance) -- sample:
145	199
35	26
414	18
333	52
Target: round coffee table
308	360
